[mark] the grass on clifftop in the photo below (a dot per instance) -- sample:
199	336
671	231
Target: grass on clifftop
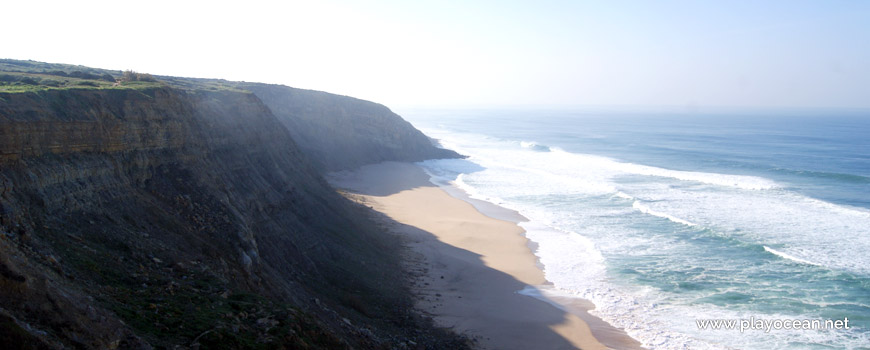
31	82
32	76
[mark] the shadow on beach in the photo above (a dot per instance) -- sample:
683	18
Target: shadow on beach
456	286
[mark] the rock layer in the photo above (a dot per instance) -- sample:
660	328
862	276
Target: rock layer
179	217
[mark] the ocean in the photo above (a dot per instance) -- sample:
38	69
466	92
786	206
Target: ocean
669	219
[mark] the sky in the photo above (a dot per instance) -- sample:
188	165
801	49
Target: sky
446	53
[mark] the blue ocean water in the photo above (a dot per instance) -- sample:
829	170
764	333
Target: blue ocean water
665	218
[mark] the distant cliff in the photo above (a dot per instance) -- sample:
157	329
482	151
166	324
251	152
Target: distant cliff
166	216
340	132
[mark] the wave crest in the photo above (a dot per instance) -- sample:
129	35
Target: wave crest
646	210
789	257
534	146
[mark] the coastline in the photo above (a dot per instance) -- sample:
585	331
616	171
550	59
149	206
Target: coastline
472	267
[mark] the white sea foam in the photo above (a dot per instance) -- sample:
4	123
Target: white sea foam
738	181
646	210
829	235
534	146
619	168
473	192
551	189
621	194
534	292
789	257
568	173
575	266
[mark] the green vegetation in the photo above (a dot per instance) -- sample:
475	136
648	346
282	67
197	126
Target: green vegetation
136	76
204	84
32	82
32	76
8	65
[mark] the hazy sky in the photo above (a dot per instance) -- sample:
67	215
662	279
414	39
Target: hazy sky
483	53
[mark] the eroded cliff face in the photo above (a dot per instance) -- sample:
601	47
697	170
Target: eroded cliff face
162	217
341	132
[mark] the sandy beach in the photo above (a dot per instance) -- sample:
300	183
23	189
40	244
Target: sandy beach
469	267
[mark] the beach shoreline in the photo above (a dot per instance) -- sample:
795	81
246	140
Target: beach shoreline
472	267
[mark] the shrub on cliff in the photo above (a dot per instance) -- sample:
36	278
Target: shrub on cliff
107	77
130	75
29	81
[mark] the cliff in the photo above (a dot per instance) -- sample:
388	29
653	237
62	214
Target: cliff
340	132
158	216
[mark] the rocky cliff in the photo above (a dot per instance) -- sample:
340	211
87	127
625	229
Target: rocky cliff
341	132
165	217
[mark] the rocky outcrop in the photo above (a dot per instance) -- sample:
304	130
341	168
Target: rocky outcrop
172	217
340	132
